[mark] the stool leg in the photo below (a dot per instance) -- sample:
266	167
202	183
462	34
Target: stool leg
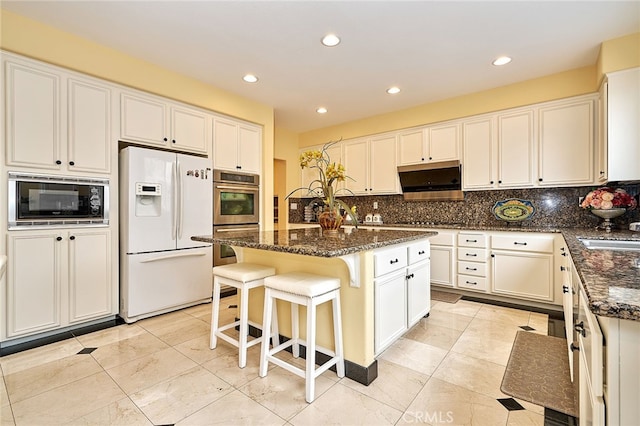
337	334
295	330
215	312
275	332
266	325
244	325
310	377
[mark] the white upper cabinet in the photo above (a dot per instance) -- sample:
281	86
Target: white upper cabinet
309	175
371	165
33	103
156	122
236	146
429	144
89	127
55	120
565	144
623	125
479	154
515	149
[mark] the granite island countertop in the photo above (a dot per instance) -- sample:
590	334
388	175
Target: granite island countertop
311	242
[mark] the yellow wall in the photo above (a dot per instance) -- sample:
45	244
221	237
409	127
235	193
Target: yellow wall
557	86
39	41
286	148
619	54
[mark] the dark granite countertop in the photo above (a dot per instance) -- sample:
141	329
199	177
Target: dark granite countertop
611	280
311	242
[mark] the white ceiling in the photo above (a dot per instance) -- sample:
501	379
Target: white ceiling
432	50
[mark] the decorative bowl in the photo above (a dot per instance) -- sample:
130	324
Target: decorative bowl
513	210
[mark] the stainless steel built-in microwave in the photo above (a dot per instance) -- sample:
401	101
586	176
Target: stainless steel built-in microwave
47	200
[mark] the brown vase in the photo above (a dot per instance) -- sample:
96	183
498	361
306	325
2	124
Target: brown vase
330	221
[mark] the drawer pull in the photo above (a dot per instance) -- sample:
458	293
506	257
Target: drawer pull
565	289
471	269
421	252
562	268
471	254
410	276
573	347
579	327
519	244
393	261
471	283
472	241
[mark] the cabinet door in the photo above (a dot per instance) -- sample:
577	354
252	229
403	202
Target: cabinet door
356	163
90	282
411	147
479	154
307	176
565	148
442	265
515	149
249	149
34	278
383	172
225	145
602	159
523	275
89	127
189	130
143	120
418	292
623	126
443	142
390	309
32	117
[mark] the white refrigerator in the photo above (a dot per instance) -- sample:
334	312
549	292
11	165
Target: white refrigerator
165	198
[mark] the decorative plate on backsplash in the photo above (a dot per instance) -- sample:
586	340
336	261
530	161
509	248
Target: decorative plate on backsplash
513	210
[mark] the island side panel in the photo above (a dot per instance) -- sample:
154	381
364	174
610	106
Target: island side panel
357	303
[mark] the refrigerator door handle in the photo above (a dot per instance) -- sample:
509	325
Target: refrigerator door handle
179	185
174	230
172	256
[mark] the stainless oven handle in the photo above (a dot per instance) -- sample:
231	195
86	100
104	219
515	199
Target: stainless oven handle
238	188
237	229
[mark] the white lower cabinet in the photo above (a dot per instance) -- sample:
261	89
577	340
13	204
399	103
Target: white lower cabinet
522	266
58	278
402	290
443	258
472	261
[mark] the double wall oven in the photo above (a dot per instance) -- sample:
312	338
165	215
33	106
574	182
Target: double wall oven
236	207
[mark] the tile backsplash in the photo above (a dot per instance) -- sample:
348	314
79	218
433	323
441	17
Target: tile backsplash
555	208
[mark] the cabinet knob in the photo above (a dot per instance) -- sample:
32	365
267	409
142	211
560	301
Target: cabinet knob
562	268
565	289
491	182
430	158
539	179
422	158
238	167
165	139
58	238
73	237
493	255
421	252
579	327
573	347
410	276
72	163
173	141
499	181
601	172
58	162
370	189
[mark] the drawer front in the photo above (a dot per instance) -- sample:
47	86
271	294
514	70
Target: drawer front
543	244
389	260
418	251
472	283
472	268
472	240
472	255
443	238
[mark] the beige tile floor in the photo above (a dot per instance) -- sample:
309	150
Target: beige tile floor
445	370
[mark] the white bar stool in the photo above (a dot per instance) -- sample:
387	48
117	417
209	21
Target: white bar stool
310	290
242	276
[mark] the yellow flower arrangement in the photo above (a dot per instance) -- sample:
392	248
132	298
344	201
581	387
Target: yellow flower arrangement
329	172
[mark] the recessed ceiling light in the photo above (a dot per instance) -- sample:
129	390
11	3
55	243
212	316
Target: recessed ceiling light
250	78
393	90
321	110
330	40
502	60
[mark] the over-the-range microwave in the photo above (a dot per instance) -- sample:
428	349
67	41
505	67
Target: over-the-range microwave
47	200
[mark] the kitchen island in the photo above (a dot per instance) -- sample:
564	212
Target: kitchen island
349	256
